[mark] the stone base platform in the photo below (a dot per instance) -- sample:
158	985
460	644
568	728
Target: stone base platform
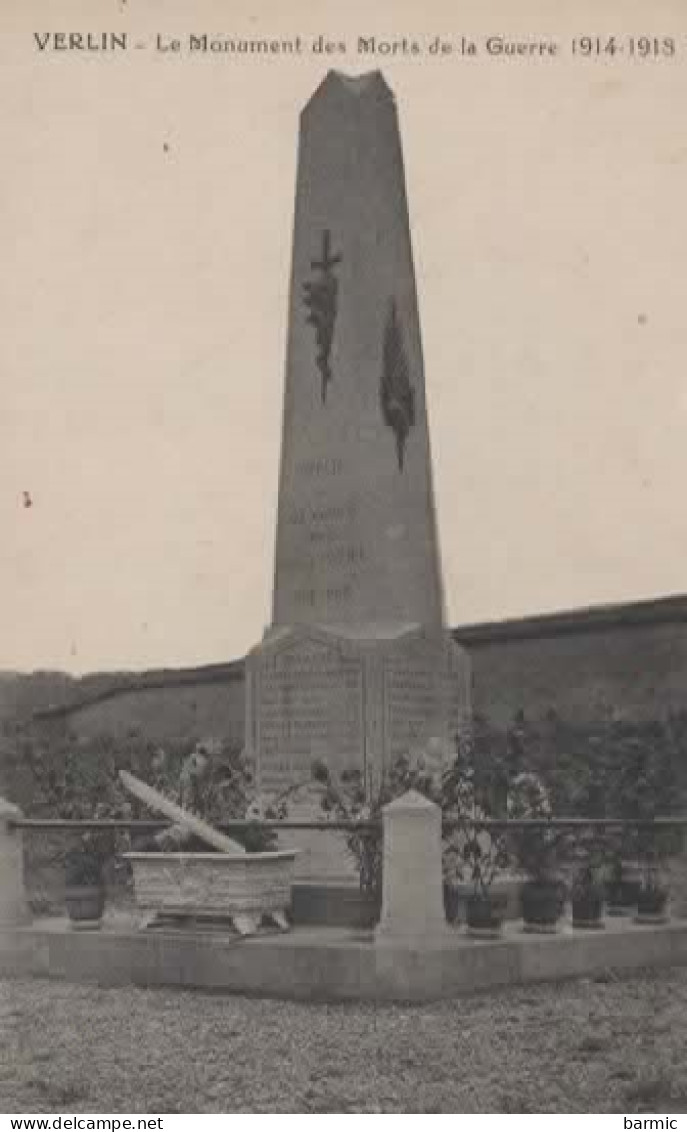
343	905
328	905
330	964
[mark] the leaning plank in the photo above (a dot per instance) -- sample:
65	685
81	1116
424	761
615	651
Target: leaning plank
194	824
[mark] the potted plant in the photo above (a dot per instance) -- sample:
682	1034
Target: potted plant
587	848
349	797
587	899
485	911
622	886
346	797
90	867
472	785
647	775
536	848
76	780
543	901
471	853
652	902
652	898
85	885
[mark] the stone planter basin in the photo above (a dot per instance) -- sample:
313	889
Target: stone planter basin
243	888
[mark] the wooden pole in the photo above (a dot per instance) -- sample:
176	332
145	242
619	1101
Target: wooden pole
182	817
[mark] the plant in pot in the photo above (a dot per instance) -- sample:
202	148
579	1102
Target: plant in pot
587	853
537	850
349	797
473	789
346	798
652	899
646	779
85	883
76	780
652	902
90	867
622	886
587	899
477	855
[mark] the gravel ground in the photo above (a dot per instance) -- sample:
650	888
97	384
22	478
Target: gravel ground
601	1045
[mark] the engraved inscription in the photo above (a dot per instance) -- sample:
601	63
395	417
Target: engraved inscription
324	559
333	513
341	555
414	702
310	595
324	466
310	707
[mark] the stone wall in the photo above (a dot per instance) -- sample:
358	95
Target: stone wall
631	658
186	705
215	710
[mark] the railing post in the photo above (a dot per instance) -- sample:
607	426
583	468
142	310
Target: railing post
13	906
412	888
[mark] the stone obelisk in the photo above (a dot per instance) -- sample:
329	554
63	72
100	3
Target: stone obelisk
355	469
357	666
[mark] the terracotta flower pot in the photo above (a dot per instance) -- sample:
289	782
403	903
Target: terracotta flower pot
84	889
587	908
485	915
622	888
542	905
652	905
622	896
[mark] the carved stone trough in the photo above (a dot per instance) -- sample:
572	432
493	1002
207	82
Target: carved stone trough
245	888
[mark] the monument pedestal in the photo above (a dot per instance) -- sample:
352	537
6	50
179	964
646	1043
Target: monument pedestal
355	698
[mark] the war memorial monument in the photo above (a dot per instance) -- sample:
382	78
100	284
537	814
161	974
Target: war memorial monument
357	666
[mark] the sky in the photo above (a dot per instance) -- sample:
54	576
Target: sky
146	214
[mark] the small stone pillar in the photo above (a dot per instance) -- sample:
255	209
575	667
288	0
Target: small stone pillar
412	892
13	907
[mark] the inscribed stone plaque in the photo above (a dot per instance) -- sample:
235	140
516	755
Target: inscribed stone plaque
425	696
308	708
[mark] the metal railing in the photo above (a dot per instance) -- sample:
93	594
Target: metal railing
371	825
